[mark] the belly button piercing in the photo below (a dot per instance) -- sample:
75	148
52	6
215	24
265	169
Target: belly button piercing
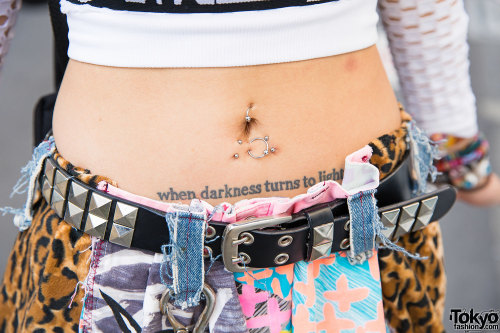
247	117
249	122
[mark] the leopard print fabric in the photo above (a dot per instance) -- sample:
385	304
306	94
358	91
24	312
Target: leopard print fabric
49	259
389	149
413	290
82	174
44	266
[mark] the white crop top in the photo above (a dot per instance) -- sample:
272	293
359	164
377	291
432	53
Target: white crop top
428	40
215	33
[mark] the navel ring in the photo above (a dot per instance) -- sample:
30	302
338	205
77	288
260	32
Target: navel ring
247	117
249	122
265	152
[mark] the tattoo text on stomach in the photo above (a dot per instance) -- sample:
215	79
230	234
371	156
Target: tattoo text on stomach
265	187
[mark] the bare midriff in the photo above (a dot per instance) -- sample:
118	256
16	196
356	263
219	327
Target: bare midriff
171	134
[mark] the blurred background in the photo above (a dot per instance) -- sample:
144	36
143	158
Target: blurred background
470	234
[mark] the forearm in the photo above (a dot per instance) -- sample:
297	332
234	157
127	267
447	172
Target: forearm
428	41
8	14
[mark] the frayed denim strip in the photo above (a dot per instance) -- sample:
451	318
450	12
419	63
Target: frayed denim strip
364	213
366	229
423	153
26	183
183	257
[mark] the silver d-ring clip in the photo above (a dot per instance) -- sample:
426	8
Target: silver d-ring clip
202	322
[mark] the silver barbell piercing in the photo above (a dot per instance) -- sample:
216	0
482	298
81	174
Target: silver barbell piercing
247	117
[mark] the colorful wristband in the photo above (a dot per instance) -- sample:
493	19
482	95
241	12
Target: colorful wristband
466	168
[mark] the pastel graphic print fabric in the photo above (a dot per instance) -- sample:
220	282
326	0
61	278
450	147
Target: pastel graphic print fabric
332	295
266	299
325	295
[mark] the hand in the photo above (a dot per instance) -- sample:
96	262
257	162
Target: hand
488	195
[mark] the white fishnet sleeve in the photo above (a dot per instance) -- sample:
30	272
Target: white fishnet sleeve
8	14
428	42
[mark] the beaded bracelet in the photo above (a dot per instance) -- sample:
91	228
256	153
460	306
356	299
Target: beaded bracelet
468	168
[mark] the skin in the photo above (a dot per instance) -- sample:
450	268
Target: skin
486	196
152	129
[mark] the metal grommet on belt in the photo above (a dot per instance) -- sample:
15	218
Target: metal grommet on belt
285	240
210	232
243	258
245	238
207	252
347	225
281	258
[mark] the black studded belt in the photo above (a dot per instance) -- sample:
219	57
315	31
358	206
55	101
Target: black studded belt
250	244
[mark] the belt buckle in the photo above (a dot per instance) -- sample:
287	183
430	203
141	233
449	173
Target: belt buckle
231	239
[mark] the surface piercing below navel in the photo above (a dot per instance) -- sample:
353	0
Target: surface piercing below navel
266	150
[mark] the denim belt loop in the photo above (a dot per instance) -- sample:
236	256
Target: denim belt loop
423	153
364	218
184	254
27	184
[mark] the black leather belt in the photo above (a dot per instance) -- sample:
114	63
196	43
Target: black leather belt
249	244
